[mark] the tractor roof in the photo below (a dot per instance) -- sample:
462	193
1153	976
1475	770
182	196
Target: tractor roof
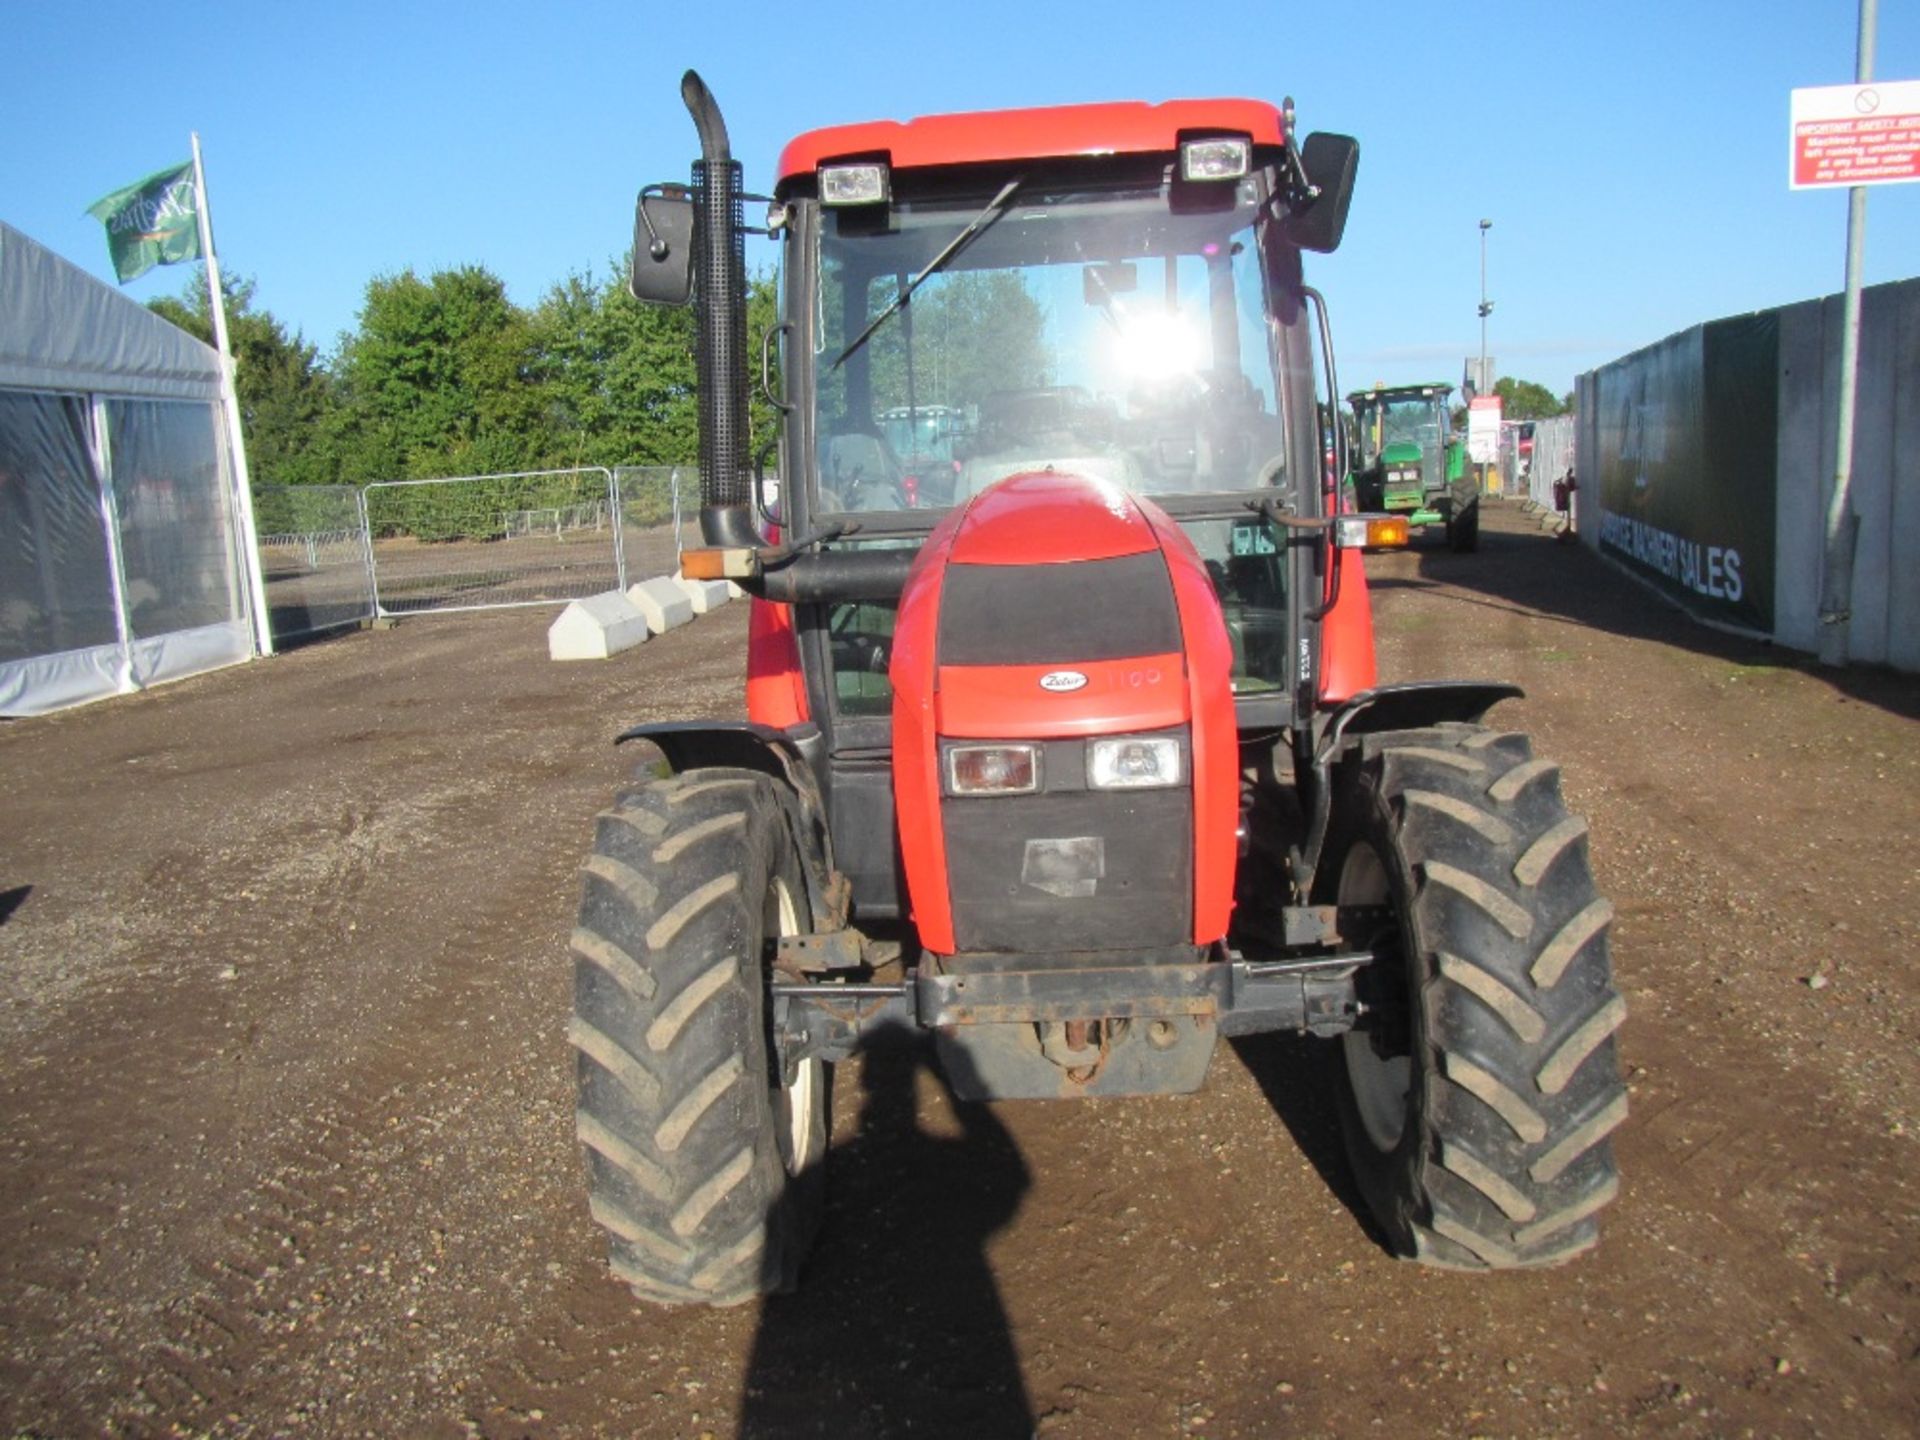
1126	127
1430	387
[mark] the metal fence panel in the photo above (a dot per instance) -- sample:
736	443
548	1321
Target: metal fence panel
313	556
650	516
487	541
1552	457
561	520
335	555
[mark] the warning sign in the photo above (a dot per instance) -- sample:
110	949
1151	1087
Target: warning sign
1855	135
1483	429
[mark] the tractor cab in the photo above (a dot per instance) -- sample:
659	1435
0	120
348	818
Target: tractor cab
1111	293
1134	317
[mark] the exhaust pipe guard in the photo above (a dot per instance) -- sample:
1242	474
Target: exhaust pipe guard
720	328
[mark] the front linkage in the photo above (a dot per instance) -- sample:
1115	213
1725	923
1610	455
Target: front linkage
1312	993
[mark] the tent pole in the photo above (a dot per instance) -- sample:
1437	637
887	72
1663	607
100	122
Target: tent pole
100	444
230	404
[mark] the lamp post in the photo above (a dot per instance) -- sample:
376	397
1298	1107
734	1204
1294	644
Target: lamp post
1486	309
1843	523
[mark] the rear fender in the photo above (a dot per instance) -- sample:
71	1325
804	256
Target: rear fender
781	756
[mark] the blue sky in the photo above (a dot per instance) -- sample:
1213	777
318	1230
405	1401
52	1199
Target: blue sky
1632	156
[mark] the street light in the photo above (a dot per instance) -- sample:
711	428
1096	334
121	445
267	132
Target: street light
1486	307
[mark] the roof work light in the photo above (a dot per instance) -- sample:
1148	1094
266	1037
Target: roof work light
1221	158
863	184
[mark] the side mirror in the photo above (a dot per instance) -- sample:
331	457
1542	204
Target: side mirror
663	246
1331	162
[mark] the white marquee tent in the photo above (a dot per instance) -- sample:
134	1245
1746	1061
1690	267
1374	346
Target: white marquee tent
121	562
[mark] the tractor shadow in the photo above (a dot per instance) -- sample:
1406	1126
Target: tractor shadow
1296	1076
898	1326
1523	570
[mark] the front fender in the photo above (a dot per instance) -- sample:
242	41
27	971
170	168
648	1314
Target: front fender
781	755
1412	707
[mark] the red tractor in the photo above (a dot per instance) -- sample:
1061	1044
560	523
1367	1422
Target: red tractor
1082	765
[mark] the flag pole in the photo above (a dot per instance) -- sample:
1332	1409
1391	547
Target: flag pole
230	404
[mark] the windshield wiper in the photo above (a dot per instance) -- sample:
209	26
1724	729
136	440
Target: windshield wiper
995	208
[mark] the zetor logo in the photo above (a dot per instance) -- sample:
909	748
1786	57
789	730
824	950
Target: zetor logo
1061	681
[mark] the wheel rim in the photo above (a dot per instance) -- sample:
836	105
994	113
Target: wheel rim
1381	1084
795	1103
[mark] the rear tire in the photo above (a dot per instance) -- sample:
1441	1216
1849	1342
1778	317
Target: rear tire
705	1170
1476	1109
1463	530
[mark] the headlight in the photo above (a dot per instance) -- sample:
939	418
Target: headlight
993	769
1134	762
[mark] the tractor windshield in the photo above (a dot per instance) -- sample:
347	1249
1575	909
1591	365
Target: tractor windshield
1110	332
1418	421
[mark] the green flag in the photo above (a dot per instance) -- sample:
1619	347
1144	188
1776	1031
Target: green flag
151	222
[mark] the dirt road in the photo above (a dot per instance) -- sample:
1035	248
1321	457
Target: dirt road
287	1124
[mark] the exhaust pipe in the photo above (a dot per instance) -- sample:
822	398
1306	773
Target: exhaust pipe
720	327
720	358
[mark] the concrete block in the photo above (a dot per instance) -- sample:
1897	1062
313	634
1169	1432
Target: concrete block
705	594
663	602
596	627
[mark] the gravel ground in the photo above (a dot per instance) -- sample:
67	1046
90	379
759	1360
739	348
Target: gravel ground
287	1132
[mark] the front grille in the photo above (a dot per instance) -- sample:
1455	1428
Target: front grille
1072	870
1071	613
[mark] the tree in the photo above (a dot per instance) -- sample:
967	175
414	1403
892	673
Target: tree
284	392
973	333
763	313
569	366
615	376
439	380
1525	400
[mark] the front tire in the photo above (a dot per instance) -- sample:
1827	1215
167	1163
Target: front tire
1476	1106
703	1167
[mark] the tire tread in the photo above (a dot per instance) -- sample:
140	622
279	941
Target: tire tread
1516	1010
676	1124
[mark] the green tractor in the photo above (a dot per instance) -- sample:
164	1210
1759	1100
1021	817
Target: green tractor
1406	463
